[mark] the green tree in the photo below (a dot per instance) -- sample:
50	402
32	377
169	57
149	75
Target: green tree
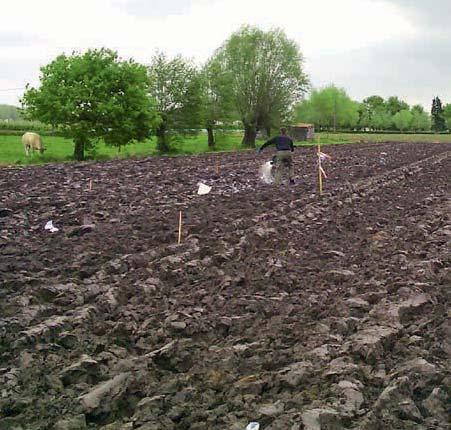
417	108
329	108
265	76
381	119
93	96
403	119
438	120
447	116
364	116
217	100
374	103
368	108
176	86
420	119
395	105
9	112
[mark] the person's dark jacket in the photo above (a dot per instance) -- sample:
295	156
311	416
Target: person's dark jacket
283	143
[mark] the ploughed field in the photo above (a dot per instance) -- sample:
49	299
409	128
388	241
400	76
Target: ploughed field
280	307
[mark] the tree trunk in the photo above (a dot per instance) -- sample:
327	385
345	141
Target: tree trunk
211	136
162	140
79	149
250	133
335	114
268	131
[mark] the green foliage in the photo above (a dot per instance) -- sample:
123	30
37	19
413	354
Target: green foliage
368	108
91	96
438	119
381	119
374	103
8	112
265	76
176	86
447	116
417	108
22	126
420	119
373	113
329	108
395	105
217	100
403	119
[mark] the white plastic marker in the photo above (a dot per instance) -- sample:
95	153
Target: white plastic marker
51	227
324	157
203	189
253	426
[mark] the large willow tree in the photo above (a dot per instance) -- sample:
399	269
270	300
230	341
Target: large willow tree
265	76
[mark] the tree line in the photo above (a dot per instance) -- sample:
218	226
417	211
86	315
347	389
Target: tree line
255	79
9	113
330	108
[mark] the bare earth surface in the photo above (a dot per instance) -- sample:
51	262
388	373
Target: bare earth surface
278	307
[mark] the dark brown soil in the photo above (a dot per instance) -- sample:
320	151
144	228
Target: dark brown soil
280	307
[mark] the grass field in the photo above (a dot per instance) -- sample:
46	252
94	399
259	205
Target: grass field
61	150
332	138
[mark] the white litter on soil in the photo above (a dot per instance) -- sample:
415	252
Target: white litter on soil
203	189
51	227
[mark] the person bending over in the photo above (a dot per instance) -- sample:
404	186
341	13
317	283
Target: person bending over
284	155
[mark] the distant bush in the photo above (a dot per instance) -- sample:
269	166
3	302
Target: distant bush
21	126
9	112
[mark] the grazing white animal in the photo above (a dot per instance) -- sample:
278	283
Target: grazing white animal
32	141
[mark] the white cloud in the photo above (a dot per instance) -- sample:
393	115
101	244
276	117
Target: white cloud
194	28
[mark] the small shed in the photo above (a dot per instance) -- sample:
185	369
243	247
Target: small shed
302	131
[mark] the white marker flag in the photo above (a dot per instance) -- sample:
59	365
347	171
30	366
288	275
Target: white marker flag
203	189
51	227
323	156
323	172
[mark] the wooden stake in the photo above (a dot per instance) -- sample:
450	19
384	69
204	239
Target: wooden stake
217	167
320	175
180	228
90	185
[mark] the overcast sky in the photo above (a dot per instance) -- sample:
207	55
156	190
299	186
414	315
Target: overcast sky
384	47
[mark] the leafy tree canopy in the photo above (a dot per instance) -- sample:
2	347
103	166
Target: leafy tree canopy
217	99
447	116
176	85
329	107
420	120
91	96
395	105
417	108
265	76
381	119
403	119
